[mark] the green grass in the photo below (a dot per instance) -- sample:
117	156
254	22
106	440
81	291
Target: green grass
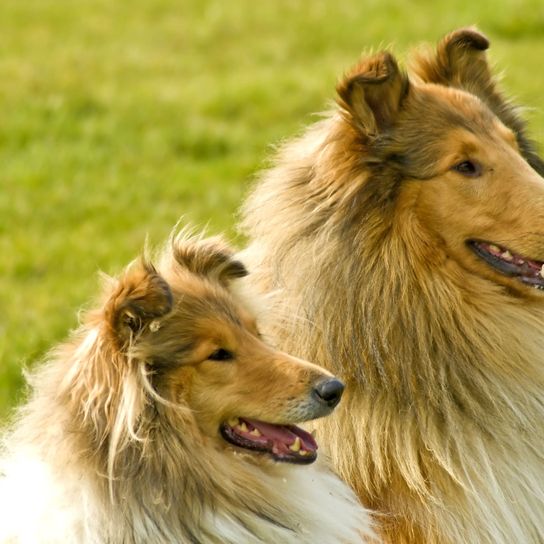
117	117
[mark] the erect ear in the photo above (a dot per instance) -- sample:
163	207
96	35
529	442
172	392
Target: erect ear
461	61
371	94
209	257
139	299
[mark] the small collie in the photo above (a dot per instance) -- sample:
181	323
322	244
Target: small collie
164	418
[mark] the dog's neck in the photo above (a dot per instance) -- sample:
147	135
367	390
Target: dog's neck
166	479
447	369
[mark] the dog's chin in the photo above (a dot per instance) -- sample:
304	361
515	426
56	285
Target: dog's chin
529	272
284	443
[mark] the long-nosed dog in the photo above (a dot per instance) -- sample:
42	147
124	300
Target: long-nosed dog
403	239
167	419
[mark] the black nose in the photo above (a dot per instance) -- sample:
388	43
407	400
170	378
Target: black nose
329	391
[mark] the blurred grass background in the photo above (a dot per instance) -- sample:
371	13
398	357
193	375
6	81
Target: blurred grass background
117	117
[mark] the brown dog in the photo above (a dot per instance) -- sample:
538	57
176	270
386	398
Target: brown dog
403	237
165	418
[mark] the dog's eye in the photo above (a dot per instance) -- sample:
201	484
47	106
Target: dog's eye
221	355
469	169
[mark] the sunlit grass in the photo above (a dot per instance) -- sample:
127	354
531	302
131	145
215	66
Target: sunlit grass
116	118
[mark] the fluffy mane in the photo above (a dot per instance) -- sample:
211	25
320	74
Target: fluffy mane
102	453
441	430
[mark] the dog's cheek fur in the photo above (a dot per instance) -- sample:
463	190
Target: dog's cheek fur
205	388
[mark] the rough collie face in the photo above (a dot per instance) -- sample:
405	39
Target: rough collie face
202	350
164	417
486	205
460	173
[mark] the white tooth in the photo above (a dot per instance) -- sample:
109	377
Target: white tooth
507	256
542	271
494	248
256	432
233	422
243	427
303	453
295	446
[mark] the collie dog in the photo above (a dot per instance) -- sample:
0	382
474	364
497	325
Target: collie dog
167	419
403	239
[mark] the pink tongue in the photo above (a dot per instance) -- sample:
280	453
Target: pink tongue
284	434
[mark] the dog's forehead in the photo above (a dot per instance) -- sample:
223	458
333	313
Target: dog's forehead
433	112
203	300
444	107
198	297
436	124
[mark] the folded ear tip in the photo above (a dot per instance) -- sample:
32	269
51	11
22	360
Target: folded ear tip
468	37
370	95
164	297
388	58
378	68
237	269
140	296
375	69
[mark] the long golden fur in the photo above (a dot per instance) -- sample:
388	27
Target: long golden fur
120	441
367	229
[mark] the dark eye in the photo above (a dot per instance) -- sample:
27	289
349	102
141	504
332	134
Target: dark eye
469	169
221	355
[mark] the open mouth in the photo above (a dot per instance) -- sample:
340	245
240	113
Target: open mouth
286	443
528	271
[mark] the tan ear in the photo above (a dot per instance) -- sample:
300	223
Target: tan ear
209	257
461	61
140	297
371	94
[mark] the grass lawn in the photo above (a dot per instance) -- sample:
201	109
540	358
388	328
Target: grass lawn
117	117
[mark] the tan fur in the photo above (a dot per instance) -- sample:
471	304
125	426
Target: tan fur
460	61
120	440
360	230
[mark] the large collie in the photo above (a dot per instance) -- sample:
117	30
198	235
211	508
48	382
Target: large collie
403	237
166	419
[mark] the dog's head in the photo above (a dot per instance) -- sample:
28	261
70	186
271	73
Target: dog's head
460	61
196	347
442	151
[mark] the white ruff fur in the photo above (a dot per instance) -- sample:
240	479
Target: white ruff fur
41	504
149	479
